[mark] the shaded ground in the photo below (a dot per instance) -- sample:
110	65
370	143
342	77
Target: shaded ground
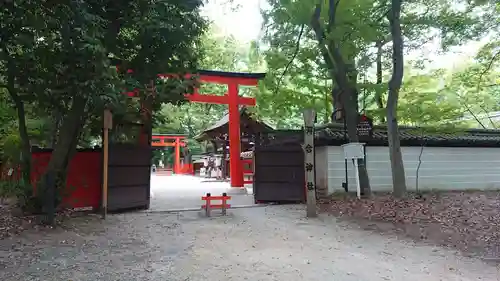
267	243
467	221
10	223
13	222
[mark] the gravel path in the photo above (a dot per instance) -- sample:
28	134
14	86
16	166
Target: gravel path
266	243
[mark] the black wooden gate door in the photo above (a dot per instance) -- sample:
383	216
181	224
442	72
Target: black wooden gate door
129	175
279	168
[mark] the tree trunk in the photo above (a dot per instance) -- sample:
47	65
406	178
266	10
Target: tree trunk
69	131
352	123
55	130
26	158
338	113
378	94
66	145
397	166
344	75
328	117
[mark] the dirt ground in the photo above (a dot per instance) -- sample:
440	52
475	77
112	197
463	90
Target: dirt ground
260	243
466	221
257	243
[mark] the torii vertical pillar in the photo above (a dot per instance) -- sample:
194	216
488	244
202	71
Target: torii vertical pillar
235	167
177	165
233	100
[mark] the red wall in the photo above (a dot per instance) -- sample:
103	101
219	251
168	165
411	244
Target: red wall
83	186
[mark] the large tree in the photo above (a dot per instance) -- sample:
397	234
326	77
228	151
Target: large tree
396	158
337	46
60	56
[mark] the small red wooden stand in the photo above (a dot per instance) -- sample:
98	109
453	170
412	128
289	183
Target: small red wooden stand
208	206
164	140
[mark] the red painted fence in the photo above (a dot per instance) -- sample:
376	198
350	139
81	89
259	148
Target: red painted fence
83	185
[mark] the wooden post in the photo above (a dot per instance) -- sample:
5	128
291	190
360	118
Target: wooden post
223	163
309	117
207	205
108	123
224	204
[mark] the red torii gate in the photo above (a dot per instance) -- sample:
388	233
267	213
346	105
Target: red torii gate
178	143
233	80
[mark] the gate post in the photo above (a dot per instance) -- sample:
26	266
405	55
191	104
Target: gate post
107	124
310	181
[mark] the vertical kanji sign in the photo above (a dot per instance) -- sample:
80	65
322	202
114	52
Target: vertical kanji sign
309	117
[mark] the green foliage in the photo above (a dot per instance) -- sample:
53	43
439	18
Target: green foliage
64	51
222	54
298	76
58	67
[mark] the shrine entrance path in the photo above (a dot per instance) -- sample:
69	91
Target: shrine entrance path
177	192
268	243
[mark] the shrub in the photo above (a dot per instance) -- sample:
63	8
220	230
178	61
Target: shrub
23	193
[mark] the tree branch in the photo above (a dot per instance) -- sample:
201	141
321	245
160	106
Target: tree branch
334	56
397	46
331	14
297	48
378	94
488	116
488	67
464	104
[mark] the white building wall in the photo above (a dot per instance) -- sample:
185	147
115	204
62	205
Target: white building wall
321	169
443	168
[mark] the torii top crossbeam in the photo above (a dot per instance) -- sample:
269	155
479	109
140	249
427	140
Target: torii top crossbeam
227	78
233	80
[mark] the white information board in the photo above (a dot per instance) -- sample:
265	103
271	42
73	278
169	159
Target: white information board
354	150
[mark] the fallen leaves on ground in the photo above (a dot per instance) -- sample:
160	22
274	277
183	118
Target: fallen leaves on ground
468	221
13	222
